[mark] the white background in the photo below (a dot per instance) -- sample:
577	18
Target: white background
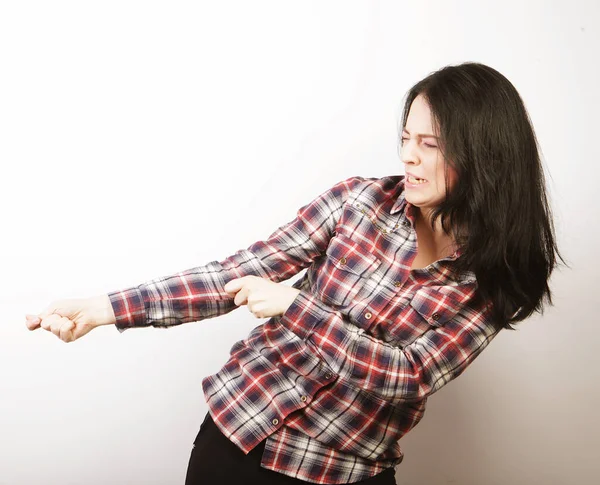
138	139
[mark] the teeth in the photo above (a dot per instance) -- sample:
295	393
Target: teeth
413	180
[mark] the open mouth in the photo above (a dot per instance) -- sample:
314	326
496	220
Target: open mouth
415	181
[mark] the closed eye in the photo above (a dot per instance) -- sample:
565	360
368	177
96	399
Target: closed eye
428	145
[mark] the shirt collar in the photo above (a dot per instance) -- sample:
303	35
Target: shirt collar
400	202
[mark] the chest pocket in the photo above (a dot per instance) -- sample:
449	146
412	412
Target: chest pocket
430	307
346	268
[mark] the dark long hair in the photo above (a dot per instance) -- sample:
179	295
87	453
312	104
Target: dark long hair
498	211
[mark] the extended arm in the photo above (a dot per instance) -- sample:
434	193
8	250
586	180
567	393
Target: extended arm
198	293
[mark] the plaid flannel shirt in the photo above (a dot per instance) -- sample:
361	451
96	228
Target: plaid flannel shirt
345	372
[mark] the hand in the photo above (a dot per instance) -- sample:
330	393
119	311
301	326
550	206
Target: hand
71	319
264	297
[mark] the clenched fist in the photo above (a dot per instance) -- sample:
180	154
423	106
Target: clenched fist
71	319
264	297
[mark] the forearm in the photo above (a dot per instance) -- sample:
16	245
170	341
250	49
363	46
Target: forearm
198	293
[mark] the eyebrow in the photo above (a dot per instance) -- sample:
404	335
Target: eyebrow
420	134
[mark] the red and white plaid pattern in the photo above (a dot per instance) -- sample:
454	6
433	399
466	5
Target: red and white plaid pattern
337	380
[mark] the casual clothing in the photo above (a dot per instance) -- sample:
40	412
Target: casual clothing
217	461
346	371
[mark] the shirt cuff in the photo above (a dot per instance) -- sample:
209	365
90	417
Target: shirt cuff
129	307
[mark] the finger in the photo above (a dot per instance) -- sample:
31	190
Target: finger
50	323
241	297
32	322
234	285
58	324
47	322
66	330
257	309
46	313
55	323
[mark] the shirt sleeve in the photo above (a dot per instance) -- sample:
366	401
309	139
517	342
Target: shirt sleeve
395	374
197	293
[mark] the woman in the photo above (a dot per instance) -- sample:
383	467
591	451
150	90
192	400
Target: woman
409	278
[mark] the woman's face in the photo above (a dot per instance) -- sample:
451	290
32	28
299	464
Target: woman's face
422	159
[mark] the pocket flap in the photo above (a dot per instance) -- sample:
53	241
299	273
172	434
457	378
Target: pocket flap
435	306
349	255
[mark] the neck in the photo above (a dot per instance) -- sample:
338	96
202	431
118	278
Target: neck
423	216
437	235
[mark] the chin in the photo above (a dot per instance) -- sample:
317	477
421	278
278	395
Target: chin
419	198
414	199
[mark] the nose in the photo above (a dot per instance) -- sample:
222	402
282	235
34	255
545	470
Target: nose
408	154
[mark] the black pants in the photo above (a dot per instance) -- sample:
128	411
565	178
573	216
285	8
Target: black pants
217	461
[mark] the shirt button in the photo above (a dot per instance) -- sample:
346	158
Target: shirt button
329	375
275	421
303	399
368	315
397	283
343	260
435	316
